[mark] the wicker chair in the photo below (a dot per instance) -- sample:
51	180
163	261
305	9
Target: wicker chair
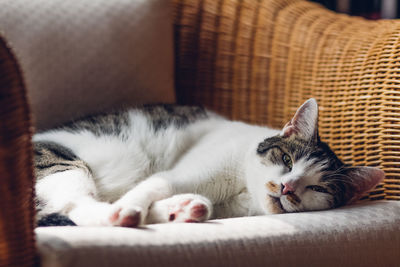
255	61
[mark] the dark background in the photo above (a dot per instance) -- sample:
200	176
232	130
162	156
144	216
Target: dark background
371	9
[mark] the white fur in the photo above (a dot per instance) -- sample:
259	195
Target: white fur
214	158
303	175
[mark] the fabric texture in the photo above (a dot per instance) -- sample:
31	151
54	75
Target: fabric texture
81	57
366	234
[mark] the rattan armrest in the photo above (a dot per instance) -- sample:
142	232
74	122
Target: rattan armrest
249	60
16	175
258	61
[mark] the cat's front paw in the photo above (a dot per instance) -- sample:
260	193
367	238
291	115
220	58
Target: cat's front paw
189	210
126	217
181	208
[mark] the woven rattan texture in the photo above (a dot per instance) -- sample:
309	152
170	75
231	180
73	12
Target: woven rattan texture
257	61
16	194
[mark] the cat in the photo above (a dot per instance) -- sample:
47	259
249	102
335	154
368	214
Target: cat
170	163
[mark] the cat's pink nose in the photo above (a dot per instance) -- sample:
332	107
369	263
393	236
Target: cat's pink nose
287	188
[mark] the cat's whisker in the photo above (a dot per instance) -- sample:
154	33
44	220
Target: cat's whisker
170	163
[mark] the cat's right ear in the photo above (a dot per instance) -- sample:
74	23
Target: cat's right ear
304	123
362	180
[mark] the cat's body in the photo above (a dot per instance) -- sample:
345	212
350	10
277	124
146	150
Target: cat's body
170	164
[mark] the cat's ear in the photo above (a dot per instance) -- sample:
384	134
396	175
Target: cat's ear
362	180
305	122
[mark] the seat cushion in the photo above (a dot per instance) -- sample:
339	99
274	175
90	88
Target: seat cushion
366	234
82	57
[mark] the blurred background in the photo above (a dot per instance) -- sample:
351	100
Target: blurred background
370	9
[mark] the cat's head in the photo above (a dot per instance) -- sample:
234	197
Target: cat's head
296	171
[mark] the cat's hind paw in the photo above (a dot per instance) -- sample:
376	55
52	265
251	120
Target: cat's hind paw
181	208
189	210
125	217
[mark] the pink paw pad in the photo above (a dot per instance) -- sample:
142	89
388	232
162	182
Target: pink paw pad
188	213
115	215
198	211
172	217
131	220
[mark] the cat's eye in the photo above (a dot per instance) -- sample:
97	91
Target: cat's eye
317	188
287	161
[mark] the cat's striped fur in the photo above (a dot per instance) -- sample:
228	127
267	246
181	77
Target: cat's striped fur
168	163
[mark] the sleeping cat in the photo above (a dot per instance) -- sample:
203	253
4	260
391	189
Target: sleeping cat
167	163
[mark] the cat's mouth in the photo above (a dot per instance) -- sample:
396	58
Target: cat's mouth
287	203
277	202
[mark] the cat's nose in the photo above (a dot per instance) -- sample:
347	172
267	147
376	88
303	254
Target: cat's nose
287	188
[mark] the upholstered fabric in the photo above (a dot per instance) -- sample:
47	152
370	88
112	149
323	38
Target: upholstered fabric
82	44
81	57
361	235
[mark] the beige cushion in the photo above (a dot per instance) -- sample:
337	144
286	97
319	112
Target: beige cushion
80	57
361	235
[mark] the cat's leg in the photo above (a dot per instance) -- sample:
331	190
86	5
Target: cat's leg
180	208
132	208
72	193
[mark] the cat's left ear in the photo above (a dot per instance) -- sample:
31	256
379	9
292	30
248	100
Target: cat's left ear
305	122
362	180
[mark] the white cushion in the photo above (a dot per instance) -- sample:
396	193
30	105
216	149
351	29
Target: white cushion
367	234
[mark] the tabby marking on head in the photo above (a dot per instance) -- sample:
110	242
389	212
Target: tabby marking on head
309	174
169	163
